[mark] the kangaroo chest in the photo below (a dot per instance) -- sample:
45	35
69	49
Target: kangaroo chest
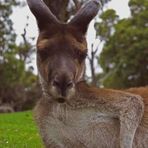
85	127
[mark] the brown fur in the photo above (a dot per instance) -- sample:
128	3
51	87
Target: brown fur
143	92
45	43
103	108
72	114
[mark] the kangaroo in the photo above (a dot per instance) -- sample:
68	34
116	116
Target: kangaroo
72	114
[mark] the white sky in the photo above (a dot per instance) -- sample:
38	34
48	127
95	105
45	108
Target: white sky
19	18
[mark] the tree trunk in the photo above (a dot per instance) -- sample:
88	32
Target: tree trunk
58	8
92	65
63	9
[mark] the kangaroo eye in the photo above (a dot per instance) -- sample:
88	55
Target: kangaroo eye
42	54
81	55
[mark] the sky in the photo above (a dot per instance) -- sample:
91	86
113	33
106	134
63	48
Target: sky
19	18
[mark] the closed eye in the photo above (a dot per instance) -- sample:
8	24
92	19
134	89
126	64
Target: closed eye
42	54
81	55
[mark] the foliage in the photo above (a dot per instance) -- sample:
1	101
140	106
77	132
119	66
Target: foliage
105	28
6	25
18	130
16	80
124	58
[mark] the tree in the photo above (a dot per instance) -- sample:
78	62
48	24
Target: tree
105	28
7	41
124	58
15	81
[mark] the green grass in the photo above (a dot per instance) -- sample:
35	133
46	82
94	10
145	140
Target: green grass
18	130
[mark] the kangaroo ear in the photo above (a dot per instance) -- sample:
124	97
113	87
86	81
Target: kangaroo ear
42	13
86	13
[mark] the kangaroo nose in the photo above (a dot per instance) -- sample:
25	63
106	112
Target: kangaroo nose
62	84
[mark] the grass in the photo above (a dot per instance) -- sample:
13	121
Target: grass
18	130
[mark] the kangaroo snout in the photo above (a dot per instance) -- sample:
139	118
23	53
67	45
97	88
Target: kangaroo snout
62	84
